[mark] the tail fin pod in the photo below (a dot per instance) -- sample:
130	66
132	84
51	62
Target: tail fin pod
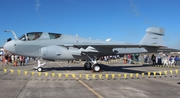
154	36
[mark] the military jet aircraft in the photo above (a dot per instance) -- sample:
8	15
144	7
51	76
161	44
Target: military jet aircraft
55	46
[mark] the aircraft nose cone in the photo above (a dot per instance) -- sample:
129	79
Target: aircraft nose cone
9	46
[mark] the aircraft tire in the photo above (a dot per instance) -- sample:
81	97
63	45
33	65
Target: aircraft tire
39	69
87	66
96	68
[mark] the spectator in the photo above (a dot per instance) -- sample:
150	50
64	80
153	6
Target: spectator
6	59
21	60
129	58
172	61
145	58
171	58
147	61
1	60
125	59
176	58
153	58
105	58
12	58
27	60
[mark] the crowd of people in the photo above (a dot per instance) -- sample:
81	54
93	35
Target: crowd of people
161	59
11	59
154	59
110	57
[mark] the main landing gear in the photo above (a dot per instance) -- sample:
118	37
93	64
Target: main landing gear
39	68
95	67
92	64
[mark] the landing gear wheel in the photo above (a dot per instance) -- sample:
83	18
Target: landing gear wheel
39	69
96	68
87	65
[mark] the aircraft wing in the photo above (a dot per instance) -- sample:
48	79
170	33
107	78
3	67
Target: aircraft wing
104	48
107	49
109	45
161	49
168	49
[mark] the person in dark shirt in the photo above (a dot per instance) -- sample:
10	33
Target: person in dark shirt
6	59
153	58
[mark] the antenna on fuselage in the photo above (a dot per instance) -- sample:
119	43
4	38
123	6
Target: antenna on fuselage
12	33
108	39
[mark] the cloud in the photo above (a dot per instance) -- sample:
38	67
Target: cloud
133	5
37	5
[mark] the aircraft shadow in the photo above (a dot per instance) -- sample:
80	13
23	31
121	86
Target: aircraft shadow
105	68
124	69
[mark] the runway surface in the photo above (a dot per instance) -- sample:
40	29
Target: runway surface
66	80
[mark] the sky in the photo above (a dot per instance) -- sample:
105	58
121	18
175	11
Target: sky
120	20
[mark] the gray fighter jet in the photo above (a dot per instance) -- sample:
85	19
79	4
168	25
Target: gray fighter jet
54	46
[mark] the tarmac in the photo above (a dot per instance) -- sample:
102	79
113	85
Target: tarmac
70	80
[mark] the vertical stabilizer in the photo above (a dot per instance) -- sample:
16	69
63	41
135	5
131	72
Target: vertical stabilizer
154	36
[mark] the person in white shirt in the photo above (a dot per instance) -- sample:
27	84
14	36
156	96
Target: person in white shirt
12	58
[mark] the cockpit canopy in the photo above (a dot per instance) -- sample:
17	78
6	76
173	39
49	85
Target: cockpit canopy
35	35
54	35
